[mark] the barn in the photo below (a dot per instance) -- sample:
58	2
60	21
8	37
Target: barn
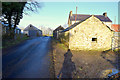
32	31
90	33
56	31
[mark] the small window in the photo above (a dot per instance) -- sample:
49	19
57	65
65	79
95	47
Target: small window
94	39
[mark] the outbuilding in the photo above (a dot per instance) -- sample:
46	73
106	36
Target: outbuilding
56	31
32	31
88	32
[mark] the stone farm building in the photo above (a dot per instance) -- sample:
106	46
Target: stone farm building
56	31
32	31
88	32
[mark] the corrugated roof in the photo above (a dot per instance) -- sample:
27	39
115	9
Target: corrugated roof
30	27
81	17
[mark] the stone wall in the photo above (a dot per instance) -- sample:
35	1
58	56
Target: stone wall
64	38
92	34
115	42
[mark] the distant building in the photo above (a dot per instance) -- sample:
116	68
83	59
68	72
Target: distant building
56	31
5	28
17	30
32	31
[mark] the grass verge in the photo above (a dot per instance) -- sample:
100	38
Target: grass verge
57	48
8	43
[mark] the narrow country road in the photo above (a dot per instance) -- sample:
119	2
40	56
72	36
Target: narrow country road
29	59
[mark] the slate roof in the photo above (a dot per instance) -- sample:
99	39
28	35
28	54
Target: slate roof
81	17
72	26
75	24
30	27
58	28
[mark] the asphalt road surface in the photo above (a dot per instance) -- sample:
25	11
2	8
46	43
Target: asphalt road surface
29	59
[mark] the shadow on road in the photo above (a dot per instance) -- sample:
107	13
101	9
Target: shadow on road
68	68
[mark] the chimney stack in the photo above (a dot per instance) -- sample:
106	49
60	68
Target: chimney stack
70	13
105	14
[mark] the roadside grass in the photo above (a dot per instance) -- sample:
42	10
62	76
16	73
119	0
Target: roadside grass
117	51
19	39
58	43
52	58
46	35
62	46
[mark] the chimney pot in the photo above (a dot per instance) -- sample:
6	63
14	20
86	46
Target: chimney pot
70	13
105	14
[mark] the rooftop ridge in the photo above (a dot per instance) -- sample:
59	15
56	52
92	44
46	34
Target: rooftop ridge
82	14
89	14
85	16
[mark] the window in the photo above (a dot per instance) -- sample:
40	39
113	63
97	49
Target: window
94	39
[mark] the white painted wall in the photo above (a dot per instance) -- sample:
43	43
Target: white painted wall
74	22
109	24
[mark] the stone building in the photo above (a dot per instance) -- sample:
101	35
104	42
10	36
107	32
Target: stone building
88	33
32	31
56	31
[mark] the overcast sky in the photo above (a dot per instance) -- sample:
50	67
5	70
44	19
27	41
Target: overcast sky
53	14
